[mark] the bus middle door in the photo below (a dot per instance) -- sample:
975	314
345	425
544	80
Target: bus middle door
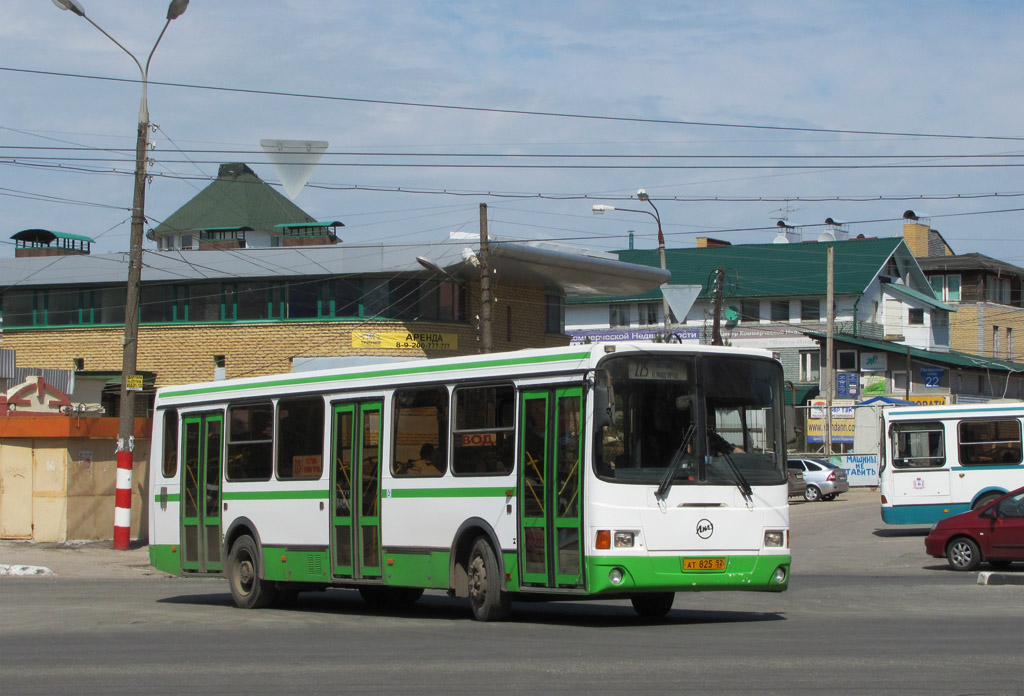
355	497
550	488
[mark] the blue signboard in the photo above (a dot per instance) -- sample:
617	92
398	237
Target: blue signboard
931	377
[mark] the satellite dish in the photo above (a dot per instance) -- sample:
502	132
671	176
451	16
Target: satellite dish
294	161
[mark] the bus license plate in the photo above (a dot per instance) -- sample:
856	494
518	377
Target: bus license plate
703	564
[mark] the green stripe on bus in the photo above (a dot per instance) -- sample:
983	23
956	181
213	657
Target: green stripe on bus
503	492
276	495
391	372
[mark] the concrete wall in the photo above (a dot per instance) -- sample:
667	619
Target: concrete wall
58	476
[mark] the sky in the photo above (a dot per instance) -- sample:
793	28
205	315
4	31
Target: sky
730	115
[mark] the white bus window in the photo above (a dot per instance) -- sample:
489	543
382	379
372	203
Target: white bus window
300	438
984	443
250	442
918	445
170	463
484	430
421	432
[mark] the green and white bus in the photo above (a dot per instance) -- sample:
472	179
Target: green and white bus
610	470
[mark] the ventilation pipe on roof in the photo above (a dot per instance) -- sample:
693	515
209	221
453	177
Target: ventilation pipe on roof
834	232
787	234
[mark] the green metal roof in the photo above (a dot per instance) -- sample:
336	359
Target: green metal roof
952	358
237	198
308	225
47	236
770	270
919	296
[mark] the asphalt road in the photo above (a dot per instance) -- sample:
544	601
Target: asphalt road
867	612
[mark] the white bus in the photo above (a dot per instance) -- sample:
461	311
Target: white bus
586	471
940	461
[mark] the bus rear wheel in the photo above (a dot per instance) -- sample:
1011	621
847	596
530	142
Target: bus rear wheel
985	500
653	605
487	597
248	589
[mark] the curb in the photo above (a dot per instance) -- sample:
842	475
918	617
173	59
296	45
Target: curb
989	578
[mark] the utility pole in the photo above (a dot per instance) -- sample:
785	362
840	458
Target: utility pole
716	321
829	349
485	284
130	341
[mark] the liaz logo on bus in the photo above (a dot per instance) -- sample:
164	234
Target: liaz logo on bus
705	529
479	440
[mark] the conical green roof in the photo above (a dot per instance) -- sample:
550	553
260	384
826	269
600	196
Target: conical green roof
237	198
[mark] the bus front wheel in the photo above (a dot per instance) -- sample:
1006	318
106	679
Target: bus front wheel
487	596
248	589
654	605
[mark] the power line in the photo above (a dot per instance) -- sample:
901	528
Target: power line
516	112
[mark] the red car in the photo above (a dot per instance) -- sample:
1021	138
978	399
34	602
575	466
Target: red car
993	533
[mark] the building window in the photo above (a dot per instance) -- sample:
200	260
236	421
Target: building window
995	341
997	289
946	287
915	317
846	360
810	365
899	382
810	310
648	314
1009	343
554	314
780	310
750	311
618	316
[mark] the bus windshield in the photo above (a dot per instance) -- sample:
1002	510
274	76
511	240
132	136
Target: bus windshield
647	403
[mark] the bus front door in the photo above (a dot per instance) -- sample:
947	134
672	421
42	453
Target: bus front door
355	486
550	488
202	438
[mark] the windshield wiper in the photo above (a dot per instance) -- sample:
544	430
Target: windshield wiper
677	459
741	480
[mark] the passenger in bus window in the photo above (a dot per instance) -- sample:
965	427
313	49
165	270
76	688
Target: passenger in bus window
426	464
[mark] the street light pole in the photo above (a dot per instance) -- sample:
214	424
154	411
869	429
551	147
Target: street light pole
642	195
126	421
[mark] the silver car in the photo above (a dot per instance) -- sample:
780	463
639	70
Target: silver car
824	481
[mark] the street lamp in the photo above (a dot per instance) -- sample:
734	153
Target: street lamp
642	195
126	423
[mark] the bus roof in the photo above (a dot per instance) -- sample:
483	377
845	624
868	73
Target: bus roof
513	363
991	408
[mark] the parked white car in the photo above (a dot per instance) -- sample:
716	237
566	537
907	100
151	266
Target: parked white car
824	480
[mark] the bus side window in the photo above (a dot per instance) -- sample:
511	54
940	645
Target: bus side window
988	442
421	432
918	445
483	430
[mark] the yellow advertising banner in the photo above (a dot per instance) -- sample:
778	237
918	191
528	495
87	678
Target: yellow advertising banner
425	340
928	400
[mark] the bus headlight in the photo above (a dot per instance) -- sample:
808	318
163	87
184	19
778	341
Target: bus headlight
624	540
615	576
773	538
780	575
